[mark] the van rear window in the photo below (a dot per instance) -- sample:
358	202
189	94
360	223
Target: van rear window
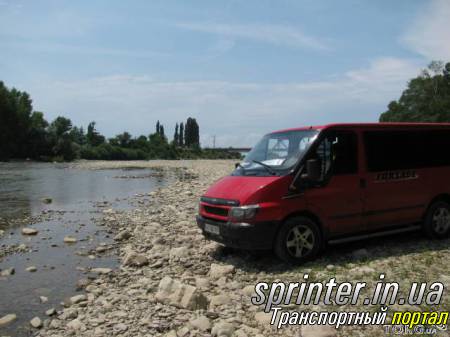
397	150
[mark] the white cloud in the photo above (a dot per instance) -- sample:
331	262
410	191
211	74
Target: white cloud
268	33
237	113
430	32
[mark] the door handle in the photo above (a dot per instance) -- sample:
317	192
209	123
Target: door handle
362	183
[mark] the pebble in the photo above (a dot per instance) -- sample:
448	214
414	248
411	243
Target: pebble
31	269
36	322
70	239
7	319
29	231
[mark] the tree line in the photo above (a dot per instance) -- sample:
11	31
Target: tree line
25	133
426	98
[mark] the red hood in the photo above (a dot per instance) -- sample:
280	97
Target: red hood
245	189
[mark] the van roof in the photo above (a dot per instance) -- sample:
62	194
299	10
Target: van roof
381	125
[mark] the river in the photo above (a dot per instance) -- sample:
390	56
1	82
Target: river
77	199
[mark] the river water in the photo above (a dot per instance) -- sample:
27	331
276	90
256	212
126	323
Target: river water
78	198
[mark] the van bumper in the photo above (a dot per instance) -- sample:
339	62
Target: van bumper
257	236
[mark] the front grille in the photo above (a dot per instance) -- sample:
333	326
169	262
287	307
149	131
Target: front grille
216	211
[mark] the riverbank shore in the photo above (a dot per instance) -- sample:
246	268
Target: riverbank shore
174	283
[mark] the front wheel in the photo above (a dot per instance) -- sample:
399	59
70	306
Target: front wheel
298	240
437	220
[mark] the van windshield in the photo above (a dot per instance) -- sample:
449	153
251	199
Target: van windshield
276	153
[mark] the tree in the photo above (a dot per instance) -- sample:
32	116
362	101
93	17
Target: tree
175	135
157	128
93	137
191	133
60	126
181	135
426	98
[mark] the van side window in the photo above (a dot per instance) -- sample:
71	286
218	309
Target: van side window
338	153
398	150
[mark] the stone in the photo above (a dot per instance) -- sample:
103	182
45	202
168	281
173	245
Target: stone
219	300
50	312
249	291
180	295
7	319
47	200
178	253
7	272
77	299
263	318
135	260
43	299
75	324
183	332
318	331
29	231
123	235
120	327
36	322
2	232
222	329
201	323
201	282
82	283
217	270
101	270
70	239
31	269
171	333
363	270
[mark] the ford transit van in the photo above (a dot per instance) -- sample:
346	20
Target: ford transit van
301	188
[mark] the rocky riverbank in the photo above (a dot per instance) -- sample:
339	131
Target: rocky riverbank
174	283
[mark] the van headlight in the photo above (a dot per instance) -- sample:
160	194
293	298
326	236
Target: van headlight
243	212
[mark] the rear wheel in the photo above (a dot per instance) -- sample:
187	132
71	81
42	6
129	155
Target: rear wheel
437	220
299	240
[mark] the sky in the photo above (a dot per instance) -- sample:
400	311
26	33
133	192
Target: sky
242	68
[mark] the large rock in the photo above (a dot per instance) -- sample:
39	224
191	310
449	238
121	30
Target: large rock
75	325
201	323
5	320
7	272
217	270
77	299
178	253
135	259
123	235
222	329
180	295
101	270
219	300
318	331
29	231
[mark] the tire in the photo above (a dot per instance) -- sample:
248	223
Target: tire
437	220
299	240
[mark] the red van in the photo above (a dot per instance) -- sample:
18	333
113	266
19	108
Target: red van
299	189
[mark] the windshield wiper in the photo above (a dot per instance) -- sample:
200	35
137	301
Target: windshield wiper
267	167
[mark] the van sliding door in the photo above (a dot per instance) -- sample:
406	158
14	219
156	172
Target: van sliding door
395	180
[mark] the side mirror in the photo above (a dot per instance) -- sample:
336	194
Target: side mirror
236	165
313	170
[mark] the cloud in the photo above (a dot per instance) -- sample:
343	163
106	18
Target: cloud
429	33
237	113
287	36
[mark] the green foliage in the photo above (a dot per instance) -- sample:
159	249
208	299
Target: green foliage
26	134
426	99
